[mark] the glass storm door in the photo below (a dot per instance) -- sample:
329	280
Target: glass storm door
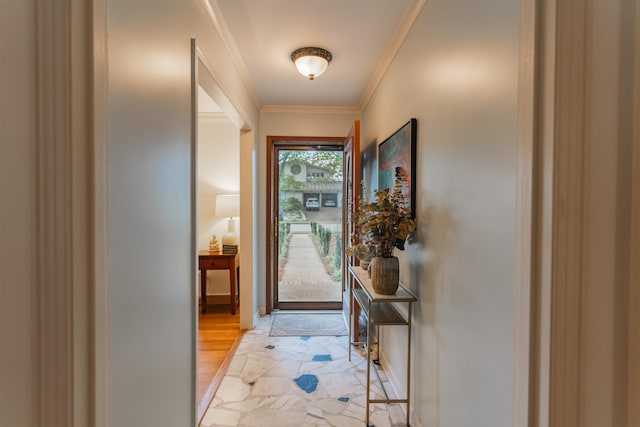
304	223
309	204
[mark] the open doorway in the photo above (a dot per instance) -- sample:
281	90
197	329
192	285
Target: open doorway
222	166
306	199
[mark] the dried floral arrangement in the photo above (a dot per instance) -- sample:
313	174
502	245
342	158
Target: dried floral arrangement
383	224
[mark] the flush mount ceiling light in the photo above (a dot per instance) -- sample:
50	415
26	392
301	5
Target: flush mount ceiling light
311	61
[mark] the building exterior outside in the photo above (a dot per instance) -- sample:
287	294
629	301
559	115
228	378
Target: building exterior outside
304	181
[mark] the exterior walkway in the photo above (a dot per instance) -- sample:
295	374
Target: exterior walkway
303	276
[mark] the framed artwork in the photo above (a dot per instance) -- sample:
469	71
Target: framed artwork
399	150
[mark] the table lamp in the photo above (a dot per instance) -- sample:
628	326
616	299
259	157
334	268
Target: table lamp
229	206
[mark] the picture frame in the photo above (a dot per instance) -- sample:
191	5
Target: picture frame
399	150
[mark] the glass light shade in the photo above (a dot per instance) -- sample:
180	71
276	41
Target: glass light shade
311	66
311	61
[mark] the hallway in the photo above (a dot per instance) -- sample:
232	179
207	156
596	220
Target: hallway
527	158
298	382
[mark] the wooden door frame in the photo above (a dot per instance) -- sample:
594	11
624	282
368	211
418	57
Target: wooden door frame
351	178
271	217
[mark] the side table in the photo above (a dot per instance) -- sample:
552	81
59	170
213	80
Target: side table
379	310
218	261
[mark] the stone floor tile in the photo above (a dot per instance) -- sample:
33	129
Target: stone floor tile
232	389
220	417
269	386
246	405
259	388
343	421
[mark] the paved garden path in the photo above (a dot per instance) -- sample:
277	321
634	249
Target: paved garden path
304	277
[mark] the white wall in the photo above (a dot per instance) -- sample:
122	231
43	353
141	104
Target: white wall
152	272
17	216
456	73
218	173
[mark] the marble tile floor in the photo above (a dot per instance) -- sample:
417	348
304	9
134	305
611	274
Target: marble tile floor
297	382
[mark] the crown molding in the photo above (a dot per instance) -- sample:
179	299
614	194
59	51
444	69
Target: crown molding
220	94
412	13
409	19
308	109
227	40
214	116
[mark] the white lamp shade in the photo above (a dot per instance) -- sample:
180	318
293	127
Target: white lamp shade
227	205
311	66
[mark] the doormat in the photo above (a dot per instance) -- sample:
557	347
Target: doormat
295	325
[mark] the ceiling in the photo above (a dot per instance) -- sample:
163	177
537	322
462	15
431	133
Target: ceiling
362	35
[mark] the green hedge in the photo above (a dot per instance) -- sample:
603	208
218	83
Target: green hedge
284	228
338	259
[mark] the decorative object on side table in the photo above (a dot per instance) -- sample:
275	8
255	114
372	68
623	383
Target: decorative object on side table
382	226
214	246
364	253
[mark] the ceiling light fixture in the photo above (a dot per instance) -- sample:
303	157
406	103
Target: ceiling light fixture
311	61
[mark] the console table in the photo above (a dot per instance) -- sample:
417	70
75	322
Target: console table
218	261
379	310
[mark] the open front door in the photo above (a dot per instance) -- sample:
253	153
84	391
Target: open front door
304	222
351	192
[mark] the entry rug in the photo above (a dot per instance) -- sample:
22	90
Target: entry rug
294	325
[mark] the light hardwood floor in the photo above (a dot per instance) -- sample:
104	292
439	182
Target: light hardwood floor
218	336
